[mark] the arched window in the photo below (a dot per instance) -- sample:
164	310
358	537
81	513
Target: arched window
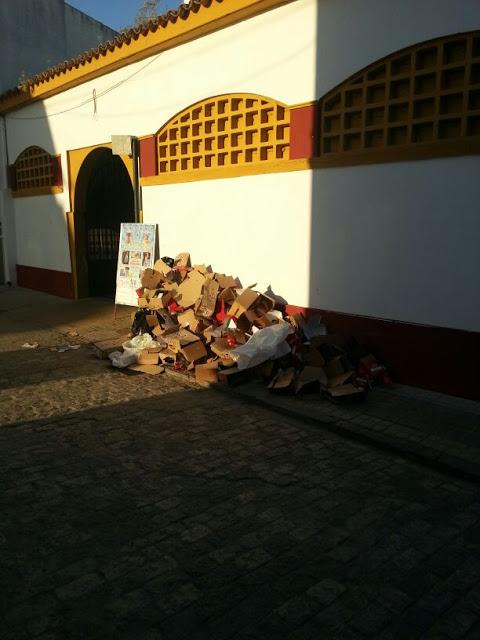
426	94
36	172
224	131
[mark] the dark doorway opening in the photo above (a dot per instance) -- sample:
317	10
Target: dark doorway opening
103	199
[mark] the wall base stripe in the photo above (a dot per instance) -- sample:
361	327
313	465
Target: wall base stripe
436	358
57	283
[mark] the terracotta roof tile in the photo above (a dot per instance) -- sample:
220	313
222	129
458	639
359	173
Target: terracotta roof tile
149	26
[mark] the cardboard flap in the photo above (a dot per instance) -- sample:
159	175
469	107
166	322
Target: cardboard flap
190	290
208	302
225	282
194	351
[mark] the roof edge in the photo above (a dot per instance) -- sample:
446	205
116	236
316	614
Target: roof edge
188	22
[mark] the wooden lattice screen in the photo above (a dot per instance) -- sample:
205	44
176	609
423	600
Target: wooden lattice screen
425	94
228	130
34	168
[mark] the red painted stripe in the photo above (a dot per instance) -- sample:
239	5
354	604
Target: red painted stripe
57	283
148	157
437	358
303	129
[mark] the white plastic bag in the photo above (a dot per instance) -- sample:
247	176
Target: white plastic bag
265	344
131	349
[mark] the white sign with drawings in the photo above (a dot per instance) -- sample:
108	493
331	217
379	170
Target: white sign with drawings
136	252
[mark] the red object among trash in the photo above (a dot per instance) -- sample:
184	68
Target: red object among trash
139	292
173	307
221	315
371	371
231	342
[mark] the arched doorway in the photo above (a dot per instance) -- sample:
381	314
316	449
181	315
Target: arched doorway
103	199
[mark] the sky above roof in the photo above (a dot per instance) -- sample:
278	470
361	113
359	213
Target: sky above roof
117	13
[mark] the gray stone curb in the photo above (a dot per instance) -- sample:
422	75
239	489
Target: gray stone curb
416	452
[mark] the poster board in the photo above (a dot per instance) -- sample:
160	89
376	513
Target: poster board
136	252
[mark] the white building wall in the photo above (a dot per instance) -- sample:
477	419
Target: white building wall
293	54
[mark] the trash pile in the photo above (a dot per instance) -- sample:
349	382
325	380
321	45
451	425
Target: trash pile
193	319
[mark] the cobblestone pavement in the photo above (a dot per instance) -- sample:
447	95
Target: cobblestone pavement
135	507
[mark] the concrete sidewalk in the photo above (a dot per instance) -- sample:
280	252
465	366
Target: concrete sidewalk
432	428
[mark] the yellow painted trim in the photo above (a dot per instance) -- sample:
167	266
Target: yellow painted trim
73	251
299	105
411	153
75	160
204	21
425	151
257	168
36	191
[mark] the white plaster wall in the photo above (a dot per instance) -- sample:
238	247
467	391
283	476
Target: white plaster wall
255	227
370	240
41	232
399	241
294	54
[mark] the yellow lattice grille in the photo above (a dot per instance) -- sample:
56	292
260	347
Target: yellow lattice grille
427	93
34	168
224	131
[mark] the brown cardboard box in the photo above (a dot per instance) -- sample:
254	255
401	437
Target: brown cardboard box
155	303
194	351
337	381
311	378
151	279
283	381
162	267
152	320
205	307
143	303
207	372
346	391
178	339
220	348
167	356
144	357
228	295
243	302
225	282
202	268
182	260
335	367
151	369
312	356
190	290
188	319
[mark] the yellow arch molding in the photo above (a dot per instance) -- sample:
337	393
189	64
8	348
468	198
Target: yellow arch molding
224	131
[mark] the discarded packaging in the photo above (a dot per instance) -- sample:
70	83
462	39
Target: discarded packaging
198	321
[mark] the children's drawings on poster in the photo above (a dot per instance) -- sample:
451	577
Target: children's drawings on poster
135	253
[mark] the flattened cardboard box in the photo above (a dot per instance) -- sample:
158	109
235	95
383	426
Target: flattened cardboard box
207	372
151	369
144	357
178	339
208	302
194	351
190	290
151	279
225	282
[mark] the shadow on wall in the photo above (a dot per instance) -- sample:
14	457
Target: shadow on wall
389	263
35	236
49	249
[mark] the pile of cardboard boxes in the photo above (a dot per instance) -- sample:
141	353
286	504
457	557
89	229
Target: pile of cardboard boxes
199	318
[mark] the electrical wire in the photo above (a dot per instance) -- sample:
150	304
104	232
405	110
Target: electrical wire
89	100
